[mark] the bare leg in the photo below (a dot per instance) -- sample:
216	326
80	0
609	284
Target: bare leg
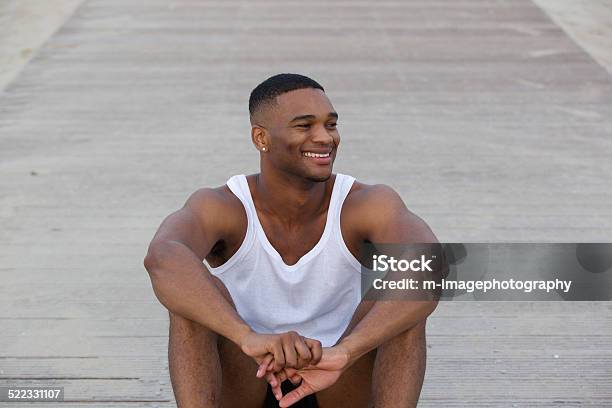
208	370
390	376
195	368
399	369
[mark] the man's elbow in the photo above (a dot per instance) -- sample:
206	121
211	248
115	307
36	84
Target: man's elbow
149	262
157	255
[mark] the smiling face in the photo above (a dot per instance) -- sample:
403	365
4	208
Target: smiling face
299	134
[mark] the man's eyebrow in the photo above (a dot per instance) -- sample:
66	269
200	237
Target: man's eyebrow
302	117
311	117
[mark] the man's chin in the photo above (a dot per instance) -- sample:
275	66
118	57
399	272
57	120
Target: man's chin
319	176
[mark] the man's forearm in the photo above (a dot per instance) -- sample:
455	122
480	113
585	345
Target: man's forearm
185	287
384	321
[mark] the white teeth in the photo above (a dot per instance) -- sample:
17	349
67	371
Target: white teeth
311	154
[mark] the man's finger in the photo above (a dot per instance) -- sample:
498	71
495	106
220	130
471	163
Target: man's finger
279	356
263	366
290	354
290	371
292	375
295	395
275	379
295	379
304	353
271	379
275	384
315	349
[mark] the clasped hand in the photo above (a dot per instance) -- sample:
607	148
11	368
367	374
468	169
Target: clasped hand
301	360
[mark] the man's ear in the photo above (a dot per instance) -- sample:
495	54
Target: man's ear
259	136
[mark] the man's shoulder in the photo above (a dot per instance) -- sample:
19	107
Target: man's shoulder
371	197
368	204
377	212
215	203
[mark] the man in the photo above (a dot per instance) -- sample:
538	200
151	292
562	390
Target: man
282	277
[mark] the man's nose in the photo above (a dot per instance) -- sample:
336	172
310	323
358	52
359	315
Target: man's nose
322	135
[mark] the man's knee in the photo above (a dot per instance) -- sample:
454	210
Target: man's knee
186	328
410	342
179	321
418	330
414	334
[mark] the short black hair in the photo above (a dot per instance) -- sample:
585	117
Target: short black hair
277	85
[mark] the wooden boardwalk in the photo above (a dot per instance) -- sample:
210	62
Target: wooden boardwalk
489	120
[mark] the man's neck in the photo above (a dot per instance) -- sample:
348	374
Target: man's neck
289	198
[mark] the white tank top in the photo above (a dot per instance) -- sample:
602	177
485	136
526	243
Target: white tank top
316	297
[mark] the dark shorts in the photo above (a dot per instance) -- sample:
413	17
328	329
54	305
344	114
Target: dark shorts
309	401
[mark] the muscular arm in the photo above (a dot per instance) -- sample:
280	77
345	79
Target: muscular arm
185	286
174	261
387	220
378	215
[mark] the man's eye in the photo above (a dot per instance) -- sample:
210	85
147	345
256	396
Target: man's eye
303	126
332	125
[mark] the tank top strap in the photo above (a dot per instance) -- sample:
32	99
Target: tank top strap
343	186
239	186
344	183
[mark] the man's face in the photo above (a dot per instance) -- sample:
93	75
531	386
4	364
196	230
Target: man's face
303	135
